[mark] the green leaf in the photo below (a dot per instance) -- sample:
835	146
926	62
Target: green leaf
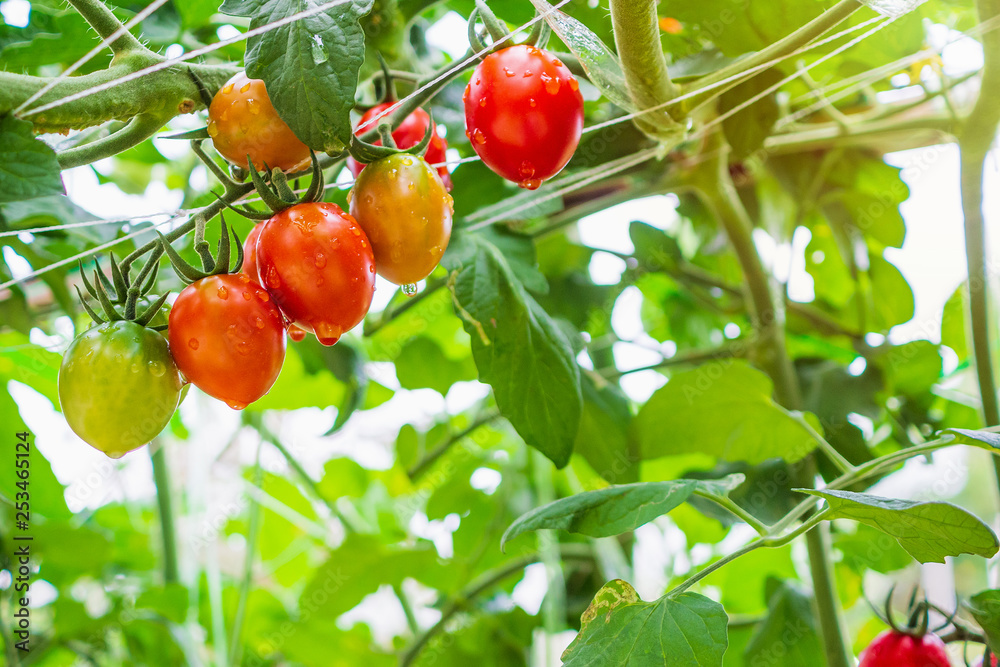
722	409
343	477
620	629
985	608
927	531
790	627
967	435
953	322
605	439
615	509
28	167
747	129
422	364
310	66
519	349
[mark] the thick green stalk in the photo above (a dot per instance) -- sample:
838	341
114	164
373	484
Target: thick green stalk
768	321
637	38
975	140
161	477
106	24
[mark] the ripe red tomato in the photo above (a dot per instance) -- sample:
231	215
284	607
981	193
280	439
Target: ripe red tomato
403	207
524	114
118	386
242	121
317	263
250	269
897	649
227	337
408	134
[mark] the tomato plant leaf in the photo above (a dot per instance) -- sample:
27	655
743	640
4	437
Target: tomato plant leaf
28	167
310	66
964	434
620	629
722	409
616	509
605	438
985	608
519	349
747	129
790	625
927	531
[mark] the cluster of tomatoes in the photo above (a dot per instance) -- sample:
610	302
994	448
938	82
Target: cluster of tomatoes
310	268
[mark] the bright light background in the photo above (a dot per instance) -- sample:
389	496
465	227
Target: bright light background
932	259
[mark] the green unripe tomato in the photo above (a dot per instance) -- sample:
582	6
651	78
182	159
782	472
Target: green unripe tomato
118	386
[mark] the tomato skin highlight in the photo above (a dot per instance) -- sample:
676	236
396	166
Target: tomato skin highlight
896	649
242	121
409	133
406	211
317	263
250	269
523	114
228	338
118	386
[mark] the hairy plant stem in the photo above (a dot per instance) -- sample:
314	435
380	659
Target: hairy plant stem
107	24
637	39
485	583
768	321
975	140
161	477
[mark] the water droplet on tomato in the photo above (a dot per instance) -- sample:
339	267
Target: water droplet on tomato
527	169
320	261
194	344
264	296
468	135
533	50
296	334
156	369
478	81
364	244
409	289
228	89
527	73
213	129
355	231
411	186
532	103
243	347
408	161
244	278
573	84
259	322
508	71
551	84
320	281
482	102
371	268
246	295
236	405
557	62
327	334
245	88
479	137
253	106
530	183
223	293
225	114
114	455
272	279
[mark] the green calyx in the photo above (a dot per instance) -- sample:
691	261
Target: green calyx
119	296
273	188
366	153
218	265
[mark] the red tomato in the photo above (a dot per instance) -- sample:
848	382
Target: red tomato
250	269
524	114
408	134
227	337
242	121
317	263
896	649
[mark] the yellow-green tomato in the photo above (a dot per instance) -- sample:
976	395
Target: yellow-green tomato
406	212
118	386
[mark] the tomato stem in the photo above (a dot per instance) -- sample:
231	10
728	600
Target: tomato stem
161	477
107	25
975	141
